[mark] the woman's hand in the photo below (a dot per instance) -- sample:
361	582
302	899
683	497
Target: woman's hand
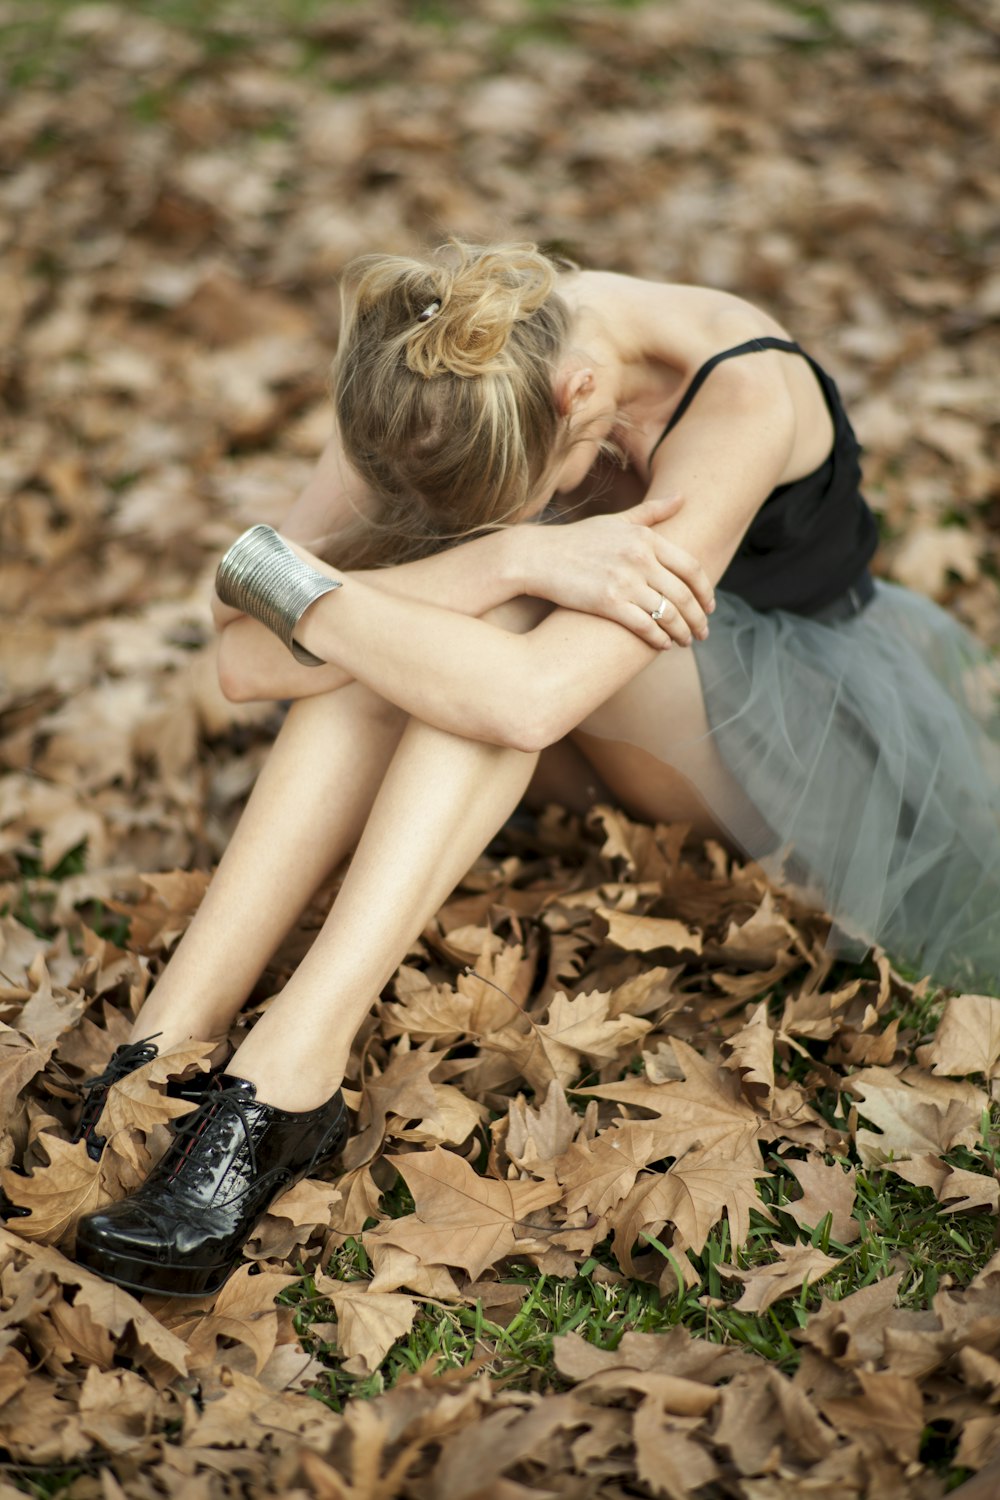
223	614
618	567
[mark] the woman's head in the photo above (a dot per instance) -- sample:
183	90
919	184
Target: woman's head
443	387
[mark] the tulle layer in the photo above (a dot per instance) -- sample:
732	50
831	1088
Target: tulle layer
868	755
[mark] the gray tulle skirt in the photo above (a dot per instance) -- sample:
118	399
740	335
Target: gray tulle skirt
867	758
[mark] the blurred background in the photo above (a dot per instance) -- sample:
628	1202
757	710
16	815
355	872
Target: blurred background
182	182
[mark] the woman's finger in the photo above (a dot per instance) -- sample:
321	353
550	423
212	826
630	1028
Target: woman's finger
654	508
642	624
670	619
681	602
686	567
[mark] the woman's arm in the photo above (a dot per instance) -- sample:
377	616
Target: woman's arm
469	677
471	579
615	566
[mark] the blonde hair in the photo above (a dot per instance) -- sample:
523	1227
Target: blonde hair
443	389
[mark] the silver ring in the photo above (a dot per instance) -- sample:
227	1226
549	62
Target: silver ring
659	611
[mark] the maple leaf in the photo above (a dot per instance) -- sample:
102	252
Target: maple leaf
667	1457
644	934
598	1174
888	1414
705	1108
461	1219
967	1039
582	1028
454	1119
700	1186
764	941
244	1310
360	1199
853	1330
496	989
796	1265
158	921
912	1119
136	1103
368	1323
427	1012
404	1089
535	1137
954	1188
117	1409
57	1194
751	1049
394	1268
825	1190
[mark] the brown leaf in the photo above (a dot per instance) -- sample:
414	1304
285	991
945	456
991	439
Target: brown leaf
764	1285
135	1103
117	1409
405	1089
751	1049
598	1174
645	934
888	1413
968	1037
244	1311
58	1194
706	1108
912	1120
461	1219
825	1190
535	1137
667	1458
581	1028
368	1323
699	1187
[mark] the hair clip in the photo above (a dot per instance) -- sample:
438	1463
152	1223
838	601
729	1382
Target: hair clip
428	312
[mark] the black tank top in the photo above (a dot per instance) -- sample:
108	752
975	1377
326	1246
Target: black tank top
812	539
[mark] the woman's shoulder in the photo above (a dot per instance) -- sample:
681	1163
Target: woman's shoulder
681	324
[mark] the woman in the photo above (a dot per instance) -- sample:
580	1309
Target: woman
473	392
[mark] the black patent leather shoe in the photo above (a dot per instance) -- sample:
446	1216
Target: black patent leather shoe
125	1060
182	1233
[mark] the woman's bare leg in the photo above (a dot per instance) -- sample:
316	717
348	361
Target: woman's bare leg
304	814
633	740
442	799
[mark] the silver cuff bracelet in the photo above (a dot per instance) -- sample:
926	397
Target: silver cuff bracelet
263	577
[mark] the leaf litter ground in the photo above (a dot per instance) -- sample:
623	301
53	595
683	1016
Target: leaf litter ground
646	1194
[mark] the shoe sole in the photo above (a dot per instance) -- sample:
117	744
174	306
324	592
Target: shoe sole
135	1274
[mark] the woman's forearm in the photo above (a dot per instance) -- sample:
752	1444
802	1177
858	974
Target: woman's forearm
457	672
470	579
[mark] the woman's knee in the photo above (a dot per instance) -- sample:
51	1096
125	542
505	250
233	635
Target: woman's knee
353	701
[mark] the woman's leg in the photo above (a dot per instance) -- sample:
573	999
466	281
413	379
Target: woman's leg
441	801
638	740
303	816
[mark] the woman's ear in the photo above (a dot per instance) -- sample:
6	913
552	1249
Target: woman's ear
573	389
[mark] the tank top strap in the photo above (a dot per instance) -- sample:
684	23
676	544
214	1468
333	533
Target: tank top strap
752	346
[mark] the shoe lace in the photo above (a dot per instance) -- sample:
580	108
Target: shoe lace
124	1060
219	1098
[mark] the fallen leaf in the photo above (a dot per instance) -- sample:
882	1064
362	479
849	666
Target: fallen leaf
764	1285
368	1323
461	1219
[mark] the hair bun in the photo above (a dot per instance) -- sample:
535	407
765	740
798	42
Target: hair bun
482	293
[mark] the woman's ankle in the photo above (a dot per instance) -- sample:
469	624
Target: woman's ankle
286	1085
